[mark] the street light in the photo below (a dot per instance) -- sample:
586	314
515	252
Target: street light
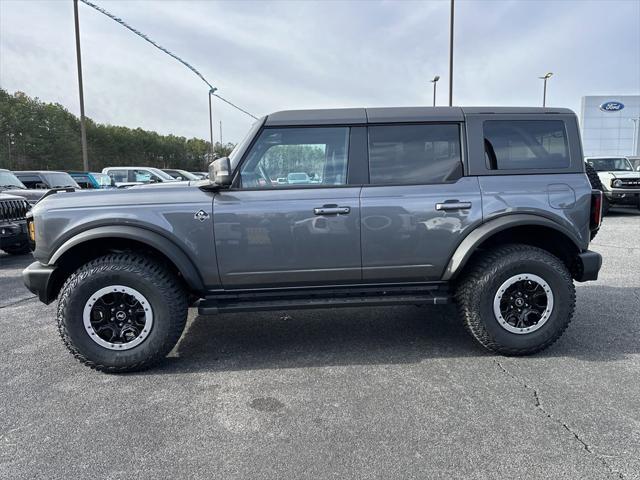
434	81
451	53
636	142
544	90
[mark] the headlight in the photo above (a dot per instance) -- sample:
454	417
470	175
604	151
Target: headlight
617	183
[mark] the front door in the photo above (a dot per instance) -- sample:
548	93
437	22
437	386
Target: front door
292	219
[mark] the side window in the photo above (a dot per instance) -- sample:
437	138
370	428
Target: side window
31	181
143	176
525	144
118	175
414	154
83	181
312	156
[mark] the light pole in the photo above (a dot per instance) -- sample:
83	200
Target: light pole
83	130
546	77
211	91
634	149
434	81
450	55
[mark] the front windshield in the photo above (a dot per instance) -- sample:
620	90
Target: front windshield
9	180
60	179
240	148
163	175
103	179
610	164
188	175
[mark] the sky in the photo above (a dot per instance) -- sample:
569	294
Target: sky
270	56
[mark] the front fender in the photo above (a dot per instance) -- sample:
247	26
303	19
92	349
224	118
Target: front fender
148	237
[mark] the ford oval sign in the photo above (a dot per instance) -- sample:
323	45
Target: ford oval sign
611	106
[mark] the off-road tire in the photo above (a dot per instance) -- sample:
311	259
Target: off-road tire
164	291
17	249
476	290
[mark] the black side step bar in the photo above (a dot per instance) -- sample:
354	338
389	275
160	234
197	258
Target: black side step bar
255	302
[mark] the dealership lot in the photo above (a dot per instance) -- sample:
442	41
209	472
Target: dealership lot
367	393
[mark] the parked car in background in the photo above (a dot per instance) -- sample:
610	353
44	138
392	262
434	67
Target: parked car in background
298	178
13	224
620	181
10	184
92	180
45	179
181	174
129	176
201	175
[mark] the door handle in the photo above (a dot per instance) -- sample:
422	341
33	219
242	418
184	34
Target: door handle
331	210
453	206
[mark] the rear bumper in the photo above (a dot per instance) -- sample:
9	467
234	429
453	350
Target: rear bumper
588	265
38	279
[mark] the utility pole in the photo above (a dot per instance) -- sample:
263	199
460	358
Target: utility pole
434	81
546	77
451	55
220	132
83	130
210	125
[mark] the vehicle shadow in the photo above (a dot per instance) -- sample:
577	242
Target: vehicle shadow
623	212
15	261
389	335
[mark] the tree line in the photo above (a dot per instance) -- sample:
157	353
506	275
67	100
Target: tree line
35	135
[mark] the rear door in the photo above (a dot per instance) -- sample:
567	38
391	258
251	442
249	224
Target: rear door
418	205
272	232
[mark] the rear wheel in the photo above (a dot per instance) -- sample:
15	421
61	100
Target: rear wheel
516	299
121	312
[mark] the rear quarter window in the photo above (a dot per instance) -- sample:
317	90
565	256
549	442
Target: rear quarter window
525	144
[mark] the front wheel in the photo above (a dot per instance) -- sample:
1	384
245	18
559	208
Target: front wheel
516	299
121	312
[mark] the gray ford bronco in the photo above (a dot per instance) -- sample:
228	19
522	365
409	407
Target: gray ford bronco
489	208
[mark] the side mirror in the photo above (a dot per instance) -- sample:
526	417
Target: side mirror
220	172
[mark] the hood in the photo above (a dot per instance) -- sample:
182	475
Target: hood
10	196
32	196
121	197
624	174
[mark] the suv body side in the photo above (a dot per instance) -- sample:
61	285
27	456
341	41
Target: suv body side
351	232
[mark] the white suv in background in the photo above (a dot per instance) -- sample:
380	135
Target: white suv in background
129	176
620	181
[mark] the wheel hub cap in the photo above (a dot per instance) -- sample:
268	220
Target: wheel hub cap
117	317
523	303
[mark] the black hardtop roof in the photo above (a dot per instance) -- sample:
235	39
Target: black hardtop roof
353	116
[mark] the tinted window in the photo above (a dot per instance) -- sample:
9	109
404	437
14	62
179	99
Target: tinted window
119	175
297	156
414	154
31	181
82	180
524	144
610	164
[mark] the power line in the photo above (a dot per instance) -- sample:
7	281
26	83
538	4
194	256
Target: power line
212	89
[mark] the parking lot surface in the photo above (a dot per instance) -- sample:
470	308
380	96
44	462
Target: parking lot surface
396	392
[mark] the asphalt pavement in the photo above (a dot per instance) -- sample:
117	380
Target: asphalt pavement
384	393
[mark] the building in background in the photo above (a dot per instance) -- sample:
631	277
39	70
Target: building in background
610	125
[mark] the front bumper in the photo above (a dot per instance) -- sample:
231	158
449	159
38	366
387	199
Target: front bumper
587	266
38	278
13	234
626	196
